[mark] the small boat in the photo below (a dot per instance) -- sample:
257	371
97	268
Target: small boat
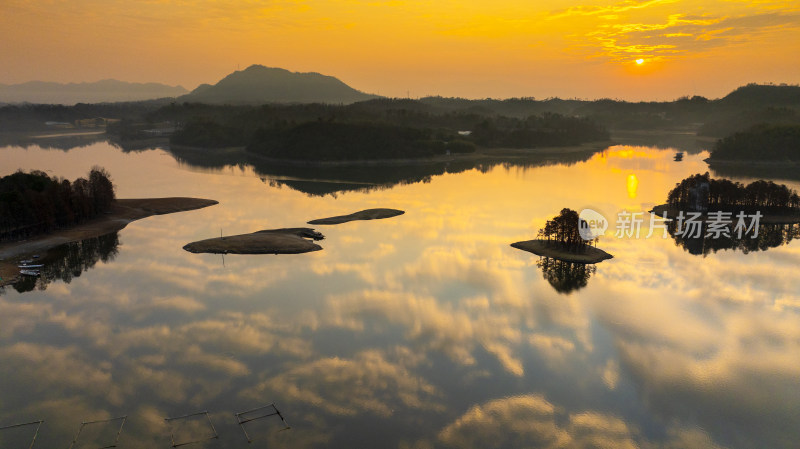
679	156
27	265
25	262
29	272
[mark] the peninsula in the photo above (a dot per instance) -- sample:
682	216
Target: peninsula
122	212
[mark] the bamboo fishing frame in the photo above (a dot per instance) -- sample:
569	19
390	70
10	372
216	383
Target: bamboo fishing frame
116	439
204	412
242	422
35	433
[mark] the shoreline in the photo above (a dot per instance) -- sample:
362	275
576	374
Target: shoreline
480	154
123	212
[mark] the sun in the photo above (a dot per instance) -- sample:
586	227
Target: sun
639	61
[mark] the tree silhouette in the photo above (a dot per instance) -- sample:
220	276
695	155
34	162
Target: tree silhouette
564	229
724	194
34	203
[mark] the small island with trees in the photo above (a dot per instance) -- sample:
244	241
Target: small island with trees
561	239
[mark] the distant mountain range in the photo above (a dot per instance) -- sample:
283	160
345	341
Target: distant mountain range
105	91
258	84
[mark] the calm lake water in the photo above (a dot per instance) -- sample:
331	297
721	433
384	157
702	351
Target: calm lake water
422	331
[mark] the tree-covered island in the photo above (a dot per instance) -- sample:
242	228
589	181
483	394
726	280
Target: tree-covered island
561	239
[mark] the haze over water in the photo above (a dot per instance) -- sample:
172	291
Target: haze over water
423	330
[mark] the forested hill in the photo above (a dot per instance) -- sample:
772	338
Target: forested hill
761	143
761	95
366	131
258	85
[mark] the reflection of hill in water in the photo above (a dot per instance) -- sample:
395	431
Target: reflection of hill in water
320	180
565	277
69	261
769	236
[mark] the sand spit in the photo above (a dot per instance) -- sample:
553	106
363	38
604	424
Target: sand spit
271	241
367	214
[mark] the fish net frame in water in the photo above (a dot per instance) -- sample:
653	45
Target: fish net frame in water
35	432
242	421
100	421
211	424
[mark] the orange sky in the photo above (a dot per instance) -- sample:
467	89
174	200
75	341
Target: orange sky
466	48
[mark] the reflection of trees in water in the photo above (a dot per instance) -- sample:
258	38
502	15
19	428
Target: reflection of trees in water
565	277
64	143
331	180
320	180
69	261
769	236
